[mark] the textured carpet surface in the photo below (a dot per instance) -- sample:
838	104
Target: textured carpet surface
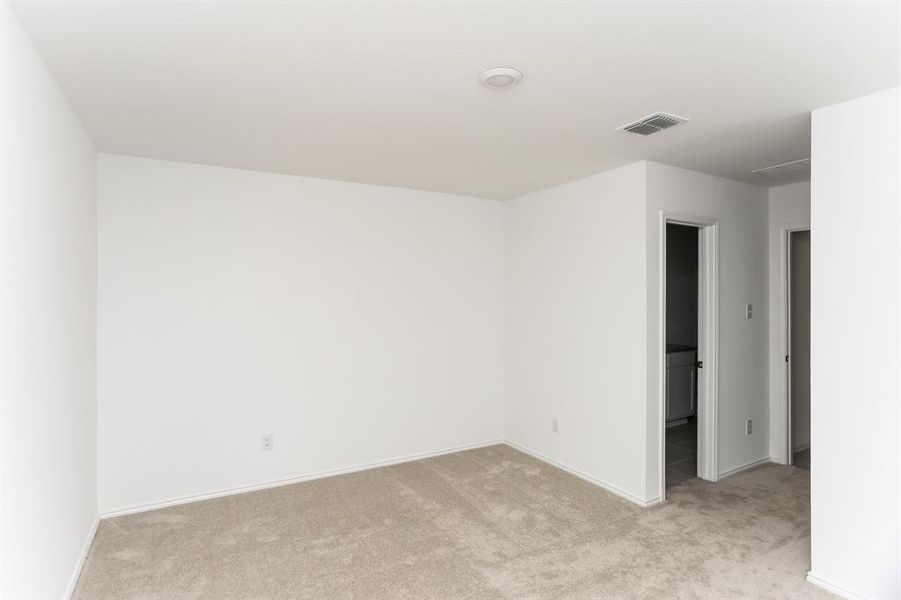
482	524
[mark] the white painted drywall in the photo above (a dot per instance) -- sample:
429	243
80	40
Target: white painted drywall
581	319
48	278
789	207
741	210
856	346
356	323
575	321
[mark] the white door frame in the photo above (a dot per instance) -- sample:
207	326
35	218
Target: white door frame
708	345
787	231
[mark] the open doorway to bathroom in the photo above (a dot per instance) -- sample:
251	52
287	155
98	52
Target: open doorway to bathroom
687	350
681	361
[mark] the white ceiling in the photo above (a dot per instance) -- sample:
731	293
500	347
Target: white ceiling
387	92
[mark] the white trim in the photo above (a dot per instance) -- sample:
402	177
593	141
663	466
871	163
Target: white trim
831	587
746	467
73	581
801	448
373	465
129	510
708	345
661	358
601	484
709	350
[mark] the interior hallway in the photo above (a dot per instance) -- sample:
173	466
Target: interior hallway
482	524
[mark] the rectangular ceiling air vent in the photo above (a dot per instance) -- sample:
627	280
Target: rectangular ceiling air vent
652	123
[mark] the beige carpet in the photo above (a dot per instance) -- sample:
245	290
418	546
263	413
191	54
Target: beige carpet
482	524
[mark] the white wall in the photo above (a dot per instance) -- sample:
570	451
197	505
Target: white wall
582	320
856	346
48	283
741	210
789	207
575	320
356	323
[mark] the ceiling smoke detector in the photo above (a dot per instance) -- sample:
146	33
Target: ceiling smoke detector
652	123
500	77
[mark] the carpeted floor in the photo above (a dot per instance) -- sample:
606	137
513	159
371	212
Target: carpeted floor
483	524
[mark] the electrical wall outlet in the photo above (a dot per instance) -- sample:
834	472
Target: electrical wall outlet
266	442
749	311
555	425
748	424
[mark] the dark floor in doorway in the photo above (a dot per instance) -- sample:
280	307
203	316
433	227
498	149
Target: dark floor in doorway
801	459
682	452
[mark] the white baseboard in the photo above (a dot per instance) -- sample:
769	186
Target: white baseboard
831	587
601	484
73	581
747	467
130	510
778	460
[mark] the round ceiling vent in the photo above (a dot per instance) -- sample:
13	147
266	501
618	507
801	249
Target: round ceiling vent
500	77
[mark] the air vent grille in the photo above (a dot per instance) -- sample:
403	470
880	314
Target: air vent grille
652	123
642	129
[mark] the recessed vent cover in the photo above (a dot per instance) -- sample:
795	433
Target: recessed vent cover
652	123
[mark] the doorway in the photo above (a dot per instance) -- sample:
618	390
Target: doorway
681	363
797	358
687	350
